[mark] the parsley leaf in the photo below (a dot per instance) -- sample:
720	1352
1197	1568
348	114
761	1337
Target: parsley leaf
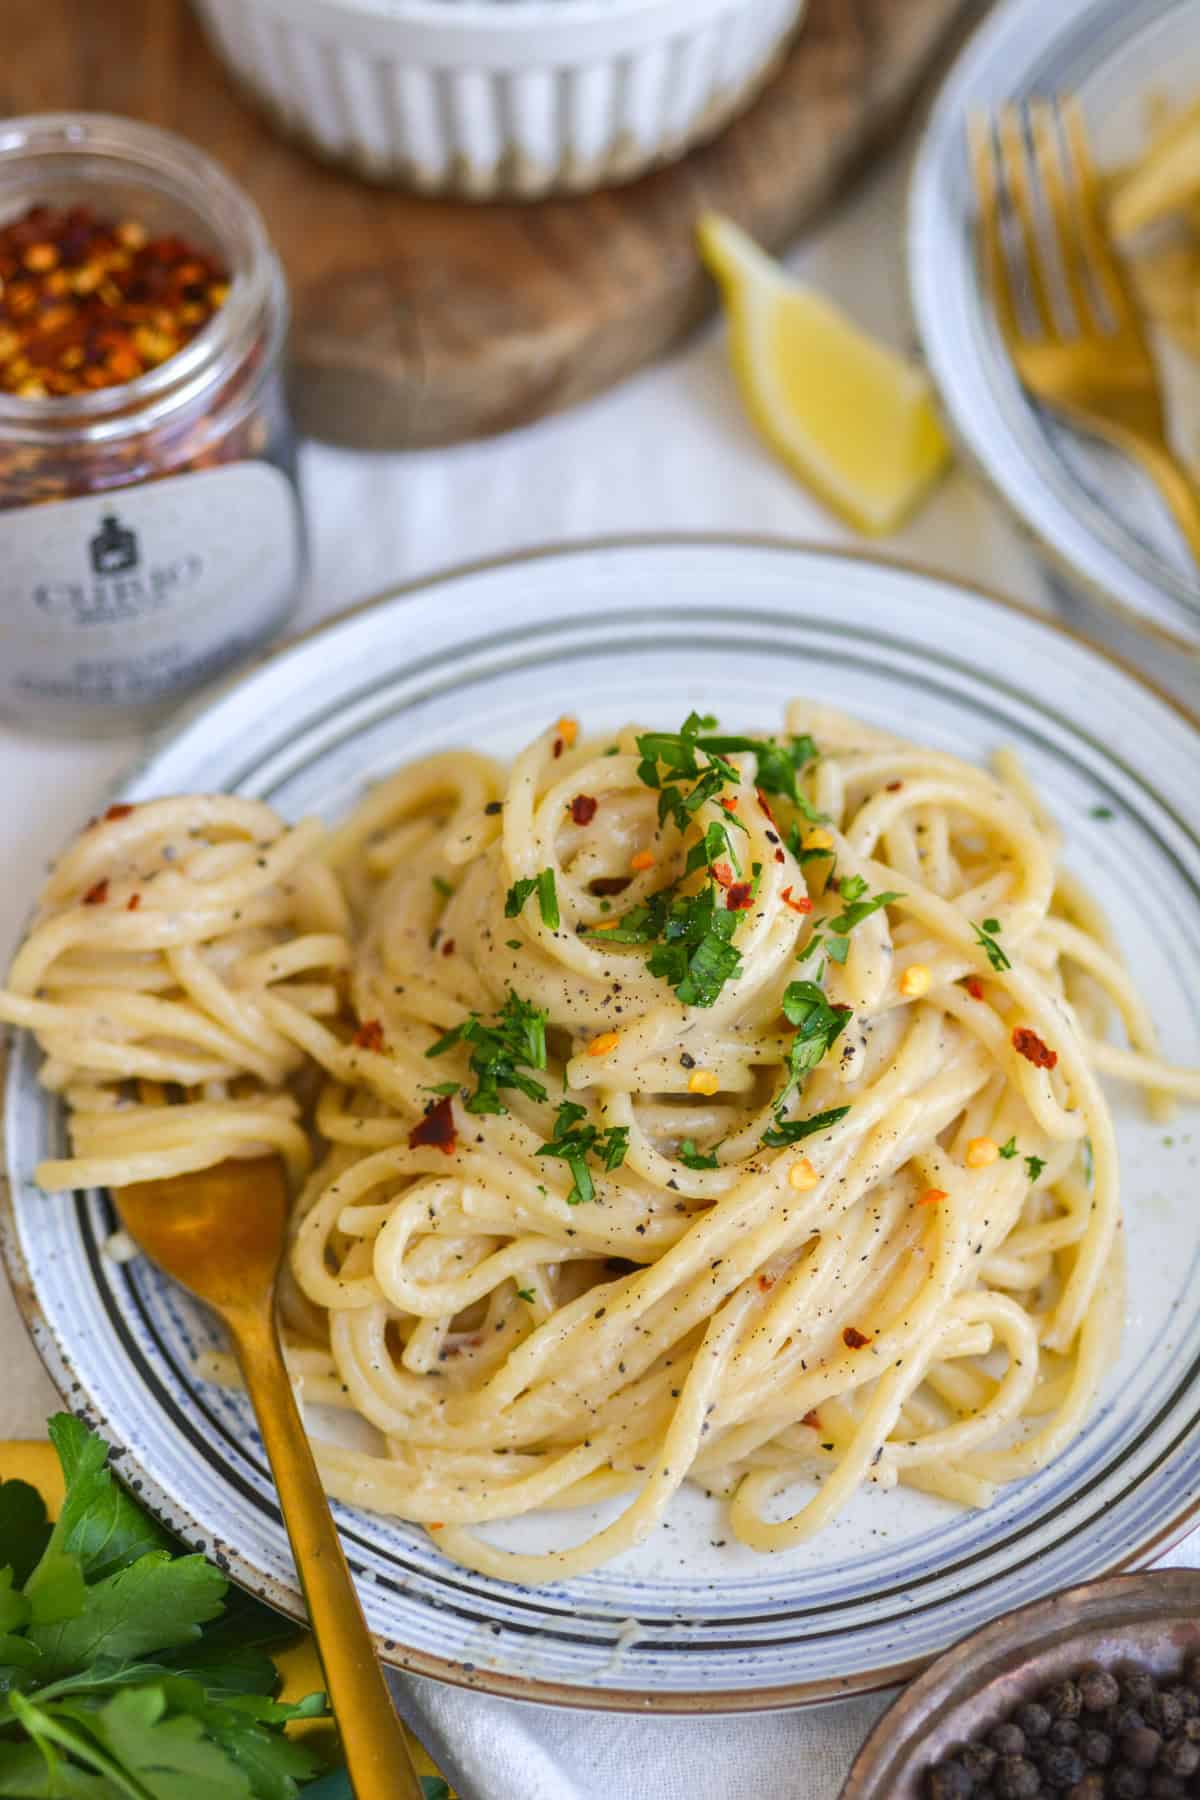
790	1131
676	752
776	766
24	1529
1033	1167
694	953
859	905
572	1143
818	1027
691	1158
547	893
517	1037
1009	1150
445	888
985	938
526	1294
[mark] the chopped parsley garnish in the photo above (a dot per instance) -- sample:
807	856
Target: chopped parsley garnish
444	887
676	753
790	1131
691	1158
712	847
818	1027
777	766
1033	1167
547	893
514	943
986	939
694	953
859	905
518	1037
443	1089
1102	812
1009	1150
574	1141
526	1294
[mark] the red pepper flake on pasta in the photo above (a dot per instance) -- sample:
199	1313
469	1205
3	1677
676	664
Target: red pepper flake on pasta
437	1130
97	894
722	874
729	802
765	1283
765	804
583	809
933	1197
893	787
133	902
558	748
797	906
448	947
121	809
779	856
974	987
740	897
853	1338
369	1035
1028	1044
812	1420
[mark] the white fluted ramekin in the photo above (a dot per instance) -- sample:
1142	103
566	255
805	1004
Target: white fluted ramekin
488	98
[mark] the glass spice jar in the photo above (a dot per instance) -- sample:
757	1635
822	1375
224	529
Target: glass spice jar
150	526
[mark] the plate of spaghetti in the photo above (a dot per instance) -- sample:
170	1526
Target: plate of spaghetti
730	1015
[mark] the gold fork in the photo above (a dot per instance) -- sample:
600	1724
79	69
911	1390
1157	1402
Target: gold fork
221	1234
1063	301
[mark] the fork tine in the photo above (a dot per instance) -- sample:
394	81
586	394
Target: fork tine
1106	271
987	197
1065	213
1014	164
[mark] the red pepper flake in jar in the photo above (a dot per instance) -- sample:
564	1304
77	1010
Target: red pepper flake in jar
739	898
369	1035
97	894
798	906
854	1339
437	1129
1028	1044
89	302
583	809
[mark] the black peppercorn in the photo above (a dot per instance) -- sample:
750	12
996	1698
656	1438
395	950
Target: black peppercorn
1096	1747
1191	1670
979	1760
1126	1783
1127	1718
949	1781
1062	1767
1141	1747
1138	1687
1098	1689
1180	1756
1090	1788
1033	1719
1166	1787
1065	1731
1191	1730
1167	1714
1007	1740
1187	1702
1017	1779
1064	1700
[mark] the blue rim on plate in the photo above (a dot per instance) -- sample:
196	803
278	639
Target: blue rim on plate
1089	509
649	628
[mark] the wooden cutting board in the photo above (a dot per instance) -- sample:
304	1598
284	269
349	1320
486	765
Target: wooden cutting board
423	321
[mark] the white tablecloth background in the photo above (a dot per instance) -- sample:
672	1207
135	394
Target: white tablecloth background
670	450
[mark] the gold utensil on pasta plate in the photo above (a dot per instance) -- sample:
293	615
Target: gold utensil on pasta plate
1062	298
221	1233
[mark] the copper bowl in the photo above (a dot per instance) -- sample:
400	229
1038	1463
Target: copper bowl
1152	1619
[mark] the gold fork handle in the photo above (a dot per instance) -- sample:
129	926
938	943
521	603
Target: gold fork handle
1168	476
377	1755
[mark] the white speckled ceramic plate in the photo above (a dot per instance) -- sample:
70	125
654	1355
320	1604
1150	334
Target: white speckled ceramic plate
1099	519
690	1621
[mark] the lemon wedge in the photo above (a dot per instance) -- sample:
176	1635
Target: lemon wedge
851	418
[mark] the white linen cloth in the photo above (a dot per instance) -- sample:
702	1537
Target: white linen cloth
670	450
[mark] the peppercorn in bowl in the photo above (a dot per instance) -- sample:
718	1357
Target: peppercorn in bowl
1093	1694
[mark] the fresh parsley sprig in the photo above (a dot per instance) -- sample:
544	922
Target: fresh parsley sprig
670	760
574	1141
1033	1167
126	1668
691	1158
547	893
776	766
791	1131
499	1051
818	1027
985	937
857	904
